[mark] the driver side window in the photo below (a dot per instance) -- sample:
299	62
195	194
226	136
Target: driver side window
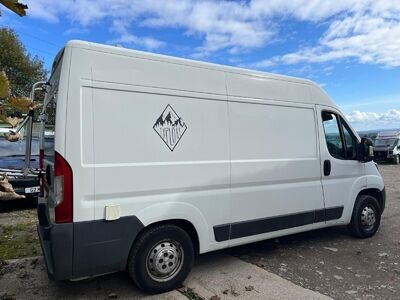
332	135
340	140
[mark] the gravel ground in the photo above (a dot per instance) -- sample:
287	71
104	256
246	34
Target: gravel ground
333	262
26	279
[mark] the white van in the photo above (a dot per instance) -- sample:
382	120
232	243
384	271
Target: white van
157	159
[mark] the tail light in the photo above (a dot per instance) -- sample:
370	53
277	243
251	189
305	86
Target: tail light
62	190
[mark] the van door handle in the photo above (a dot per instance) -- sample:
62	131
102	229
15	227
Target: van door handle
327	167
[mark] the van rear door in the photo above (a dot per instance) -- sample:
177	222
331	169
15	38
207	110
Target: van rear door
47	143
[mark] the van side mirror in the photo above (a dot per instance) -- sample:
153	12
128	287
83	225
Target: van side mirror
365	150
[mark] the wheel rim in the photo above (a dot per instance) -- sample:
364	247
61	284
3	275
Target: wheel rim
164	260
368	218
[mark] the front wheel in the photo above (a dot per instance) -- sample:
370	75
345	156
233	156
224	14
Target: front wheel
366	216
396	159
161	259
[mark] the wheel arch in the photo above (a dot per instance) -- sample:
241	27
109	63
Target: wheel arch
182	214
186	225
376	193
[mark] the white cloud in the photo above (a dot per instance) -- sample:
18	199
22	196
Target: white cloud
127	38
360	116
366	120
369	33
364	30
220	25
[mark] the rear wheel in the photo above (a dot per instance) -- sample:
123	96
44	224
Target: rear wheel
161	259
366	216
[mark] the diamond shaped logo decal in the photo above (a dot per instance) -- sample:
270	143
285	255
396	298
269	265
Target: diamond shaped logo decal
170	127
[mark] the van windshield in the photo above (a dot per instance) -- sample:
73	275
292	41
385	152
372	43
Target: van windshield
386	142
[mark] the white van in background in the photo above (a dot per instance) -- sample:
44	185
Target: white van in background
387	147
157	159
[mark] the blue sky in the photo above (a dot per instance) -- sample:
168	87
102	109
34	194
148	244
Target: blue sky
350	47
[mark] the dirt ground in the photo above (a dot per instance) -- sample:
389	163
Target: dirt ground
333	262
329	261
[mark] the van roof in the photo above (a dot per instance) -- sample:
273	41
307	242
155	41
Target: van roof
109	48
319	97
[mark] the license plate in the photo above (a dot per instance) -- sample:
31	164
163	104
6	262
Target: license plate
33	189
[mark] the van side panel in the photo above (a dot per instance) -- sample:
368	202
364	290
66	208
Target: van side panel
134	167
275	163
276	175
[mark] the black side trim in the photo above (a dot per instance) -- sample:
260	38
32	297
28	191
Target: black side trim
247	228
221	232
333	213
320	215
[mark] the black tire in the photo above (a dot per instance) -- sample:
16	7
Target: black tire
145	246
396	159
365	208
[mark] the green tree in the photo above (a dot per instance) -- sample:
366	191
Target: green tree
22	69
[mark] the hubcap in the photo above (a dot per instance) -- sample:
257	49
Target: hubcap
164	260
368	218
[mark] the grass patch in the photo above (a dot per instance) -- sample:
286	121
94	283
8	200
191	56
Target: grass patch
19	240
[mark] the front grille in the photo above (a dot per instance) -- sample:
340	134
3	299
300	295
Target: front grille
382	154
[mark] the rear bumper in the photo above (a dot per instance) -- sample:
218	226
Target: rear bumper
85	249
22	186
57	245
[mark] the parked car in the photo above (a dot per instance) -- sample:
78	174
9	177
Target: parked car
387	147
156	159
12	161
